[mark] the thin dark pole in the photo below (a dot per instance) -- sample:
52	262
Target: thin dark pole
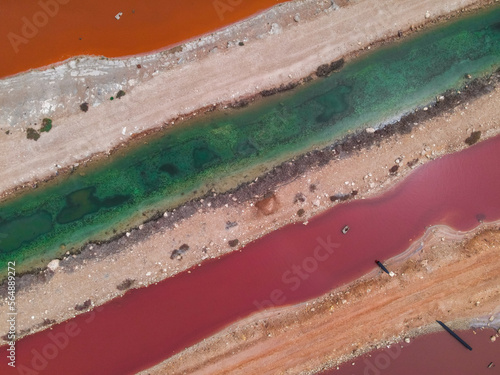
454	335
383	267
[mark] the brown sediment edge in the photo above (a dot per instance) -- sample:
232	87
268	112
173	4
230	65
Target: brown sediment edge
269	323
134	139
280	175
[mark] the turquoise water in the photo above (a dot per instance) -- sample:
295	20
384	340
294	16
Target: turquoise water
188	160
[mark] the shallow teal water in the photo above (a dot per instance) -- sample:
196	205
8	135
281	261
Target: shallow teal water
369	91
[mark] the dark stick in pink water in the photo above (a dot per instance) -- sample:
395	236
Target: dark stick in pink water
454	334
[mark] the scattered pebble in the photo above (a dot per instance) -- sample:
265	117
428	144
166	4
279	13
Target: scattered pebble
53	265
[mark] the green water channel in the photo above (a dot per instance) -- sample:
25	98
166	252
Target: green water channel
186	160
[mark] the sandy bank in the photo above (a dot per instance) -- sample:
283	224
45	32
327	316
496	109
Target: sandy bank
277	55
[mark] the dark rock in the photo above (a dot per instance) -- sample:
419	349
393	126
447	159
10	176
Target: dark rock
325	69
126	284
233	243
83	306
394	169
412	163
119	94
340	197
84	107
281	88
181	250
231	224
32	134
473	138
299	197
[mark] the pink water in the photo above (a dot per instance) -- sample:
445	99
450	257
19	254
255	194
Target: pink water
434	354
288	266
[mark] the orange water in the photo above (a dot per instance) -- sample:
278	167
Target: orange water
38	33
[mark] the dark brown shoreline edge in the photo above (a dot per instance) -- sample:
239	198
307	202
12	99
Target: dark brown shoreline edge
98	157
253	191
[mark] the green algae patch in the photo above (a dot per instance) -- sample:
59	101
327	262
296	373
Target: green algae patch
46	125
